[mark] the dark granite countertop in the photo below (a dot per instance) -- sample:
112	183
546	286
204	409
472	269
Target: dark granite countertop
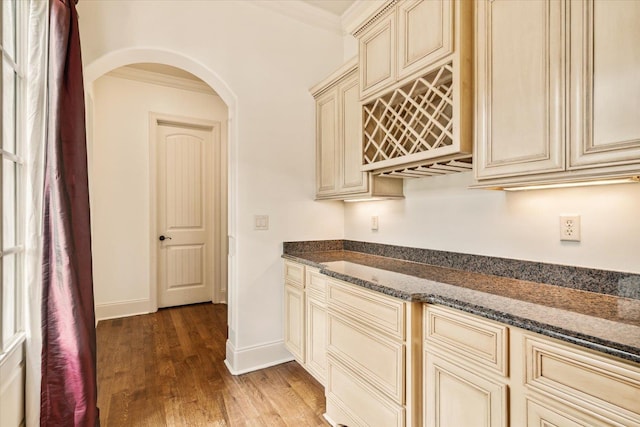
607	323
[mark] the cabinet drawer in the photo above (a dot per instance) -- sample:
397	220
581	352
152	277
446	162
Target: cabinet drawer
379	360
548	412
467	336
294	273
337	415
316	284
584	379
369	307
354	399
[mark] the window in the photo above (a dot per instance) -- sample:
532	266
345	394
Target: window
12	88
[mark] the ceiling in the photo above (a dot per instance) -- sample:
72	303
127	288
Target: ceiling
336	7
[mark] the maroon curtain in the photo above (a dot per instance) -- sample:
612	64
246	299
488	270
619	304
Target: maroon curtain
69	391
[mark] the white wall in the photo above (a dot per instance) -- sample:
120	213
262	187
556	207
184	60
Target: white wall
120	182
441	213
268	61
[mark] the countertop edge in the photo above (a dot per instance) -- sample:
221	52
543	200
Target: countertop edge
608	347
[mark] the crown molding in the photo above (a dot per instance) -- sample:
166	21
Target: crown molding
131	73
359	11
348	67
303	12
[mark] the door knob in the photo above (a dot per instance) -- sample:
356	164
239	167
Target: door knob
163	238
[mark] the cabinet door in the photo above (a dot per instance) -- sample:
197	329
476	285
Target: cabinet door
317	339
605	88
377	53
352	179
425	33
456	397
519	87
294	329
327	144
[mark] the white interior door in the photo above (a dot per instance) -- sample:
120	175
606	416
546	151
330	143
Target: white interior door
185	224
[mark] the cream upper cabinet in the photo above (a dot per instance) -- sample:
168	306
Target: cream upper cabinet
338	138
557	92
339	172
377	51
520	87
401	40
415	59
327	143
352	179
604	82
425	34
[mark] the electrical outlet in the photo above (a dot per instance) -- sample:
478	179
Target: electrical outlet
570	228
374	223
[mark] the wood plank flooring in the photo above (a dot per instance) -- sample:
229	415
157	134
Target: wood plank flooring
166	369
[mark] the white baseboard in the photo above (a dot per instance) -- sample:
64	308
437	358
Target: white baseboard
248	359
329	420
114	310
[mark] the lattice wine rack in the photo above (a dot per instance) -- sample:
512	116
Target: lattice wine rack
412	123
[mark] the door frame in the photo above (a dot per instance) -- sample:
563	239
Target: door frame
218	203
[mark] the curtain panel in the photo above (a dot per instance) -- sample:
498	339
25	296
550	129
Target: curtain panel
68	387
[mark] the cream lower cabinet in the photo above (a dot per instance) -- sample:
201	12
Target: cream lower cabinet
294	310
456	396
567	386
316	325
483	373
305	318
373	354
557	92
465	370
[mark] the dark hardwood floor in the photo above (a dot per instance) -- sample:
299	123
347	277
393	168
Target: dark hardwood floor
167	369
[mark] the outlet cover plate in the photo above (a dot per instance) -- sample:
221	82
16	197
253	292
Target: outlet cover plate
570	228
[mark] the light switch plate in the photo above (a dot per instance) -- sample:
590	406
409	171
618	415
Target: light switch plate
261	222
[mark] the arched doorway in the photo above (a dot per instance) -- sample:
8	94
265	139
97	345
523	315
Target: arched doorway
114	60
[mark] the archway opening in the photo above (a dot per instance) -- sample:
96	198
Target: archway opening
152	61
